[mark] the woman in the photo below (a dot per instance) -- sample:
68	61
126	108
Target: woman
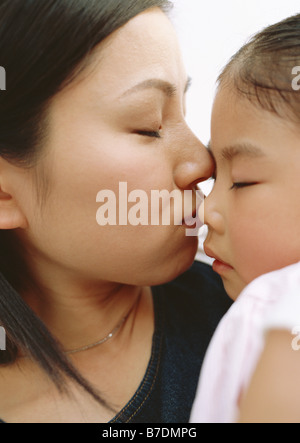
95	98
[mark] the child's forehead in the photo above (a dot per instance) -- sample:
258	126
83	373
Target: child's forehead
234	99
232	105
229	107
242	129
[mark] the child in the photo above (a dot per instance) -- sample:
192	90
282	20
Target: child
253	219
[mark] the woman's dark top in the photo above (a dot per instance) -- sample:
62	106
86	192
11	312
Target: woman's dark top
187	311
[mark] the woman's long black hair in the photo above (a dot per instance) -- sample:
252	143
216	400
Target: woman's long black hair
44	45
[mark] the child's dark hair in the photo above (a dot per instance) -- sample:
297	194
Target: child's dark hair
44	45
262	70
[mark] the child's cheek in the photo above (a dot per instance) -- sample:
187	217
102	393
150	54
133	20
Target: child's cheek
256	251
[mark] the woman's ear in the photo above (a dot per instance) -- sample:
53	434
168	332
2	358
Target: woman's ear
11	216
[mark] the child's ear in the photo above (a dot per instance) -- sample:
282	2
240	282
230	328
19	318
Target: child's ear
11	216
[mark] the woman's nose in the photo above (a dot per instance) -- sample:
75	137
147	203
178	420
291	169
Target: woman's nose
194	165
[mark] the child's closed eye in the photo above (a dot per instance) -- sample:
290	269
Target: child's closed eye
240	185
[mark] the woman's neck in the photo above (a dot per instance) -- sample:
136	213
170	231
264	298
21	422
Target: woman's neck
80	312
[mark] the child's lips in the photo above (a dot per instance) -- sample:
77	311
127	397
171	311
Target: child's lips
219	265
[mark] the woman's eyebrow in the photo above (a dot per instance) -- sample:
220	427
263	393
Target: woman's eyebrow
167	88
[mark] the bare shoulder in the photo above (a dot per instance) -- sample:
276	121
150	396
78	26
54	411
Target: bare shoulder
274	392
28	396
17	388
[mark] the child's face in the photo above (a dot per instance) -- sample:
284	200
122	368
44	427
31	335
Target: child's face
253	212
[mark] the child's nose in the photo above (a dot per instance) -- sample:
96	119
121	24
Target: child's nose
211	216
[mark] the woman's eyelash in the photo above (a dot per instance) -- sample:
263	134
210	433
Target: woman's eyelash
154	134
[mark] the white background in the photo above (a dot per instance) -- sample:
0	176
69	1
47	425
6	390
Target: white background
210	32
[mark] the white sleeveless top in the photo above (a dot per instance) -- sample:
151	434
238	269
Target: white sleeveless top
272	301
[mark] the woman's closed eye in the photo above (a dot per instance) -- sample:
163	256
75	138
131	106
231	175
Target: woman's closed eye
149	133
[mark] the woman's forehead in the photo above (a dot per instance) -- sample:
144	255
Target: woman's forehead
145	48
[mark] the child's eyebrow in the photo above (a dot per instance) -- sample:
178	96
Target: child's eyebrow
238	150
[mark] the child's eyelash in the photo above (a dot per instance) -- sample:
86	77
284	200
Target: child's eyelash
241	185
238	185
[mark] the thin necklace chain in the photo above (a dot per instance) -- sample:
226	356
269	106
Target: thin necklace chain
105	339
100	342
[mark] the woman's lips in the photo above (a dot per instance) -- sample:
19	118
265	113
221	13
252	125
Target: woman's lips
196	200
192	219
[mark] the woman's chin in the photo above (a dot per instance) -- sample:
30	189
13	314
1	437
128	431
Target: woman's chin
180	262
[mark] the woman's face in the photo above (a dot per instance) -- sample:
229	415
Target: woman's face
124	121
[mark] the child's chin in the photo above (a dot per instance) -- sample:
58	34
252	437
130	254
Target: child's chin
233	288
